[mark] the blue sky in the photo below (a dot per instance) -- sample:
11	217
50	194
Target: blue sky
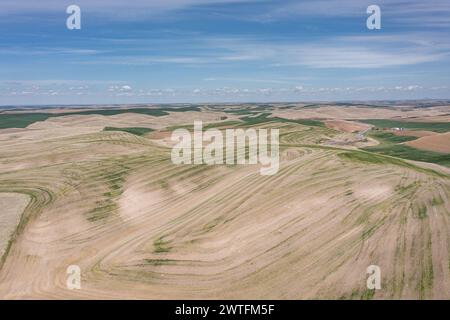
138	51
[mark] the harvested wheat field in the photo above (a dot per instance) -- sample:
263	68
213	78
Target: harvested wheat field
346	126
140	226
330	112
436	142
12	206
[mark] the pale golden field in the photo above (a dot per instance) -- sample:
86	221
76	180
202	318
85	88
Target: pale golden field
140	226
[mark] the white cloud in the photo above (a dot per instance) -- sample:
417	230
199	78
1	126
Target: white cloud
342	52
120	89
334	52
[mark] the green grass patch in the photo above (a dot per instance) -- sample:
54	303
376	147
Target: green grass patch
437	201
408	188
427	126
114	178
161	246
21	120
230	123
368	157
407	152
138	131
425	285
240	111
264	118
390	145
305	122
368	294
102	210
387	137
159	262
423	212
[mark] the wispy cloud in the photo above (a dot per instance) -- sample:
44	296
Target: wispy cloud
413	12
350	52
117	9
420	13
25	50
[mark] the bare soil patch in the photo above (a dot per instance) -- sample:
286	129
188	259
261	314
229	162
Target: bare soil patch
437	143
346	126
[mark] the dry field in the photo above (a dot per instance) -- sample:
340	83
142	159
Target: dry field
346	126
435	142
330	112
141	227
12	205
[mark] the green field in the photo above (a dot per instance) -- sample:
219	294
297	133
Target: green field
389	138
21	120
239	111
427	126
133	130
391	145
406	152
264	117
